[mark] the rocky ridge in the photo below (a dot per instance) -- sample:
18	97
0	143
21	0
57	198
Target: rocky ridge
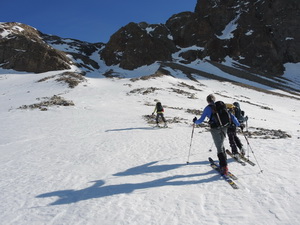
261	35
22	48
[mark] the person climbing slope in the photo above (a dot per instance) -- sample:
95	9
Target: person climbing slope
219	120
159	113
234	140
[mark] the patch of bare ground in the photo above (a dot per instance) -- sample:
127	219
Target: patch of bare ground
263	133
191	87
150	119
48	102
72	79
152	76
144	91
185	93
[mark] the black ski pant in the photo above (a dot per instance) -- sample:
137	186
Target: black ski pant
160	115
234	140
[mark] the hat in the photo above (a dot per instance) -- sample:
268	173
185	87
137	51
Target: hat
210	98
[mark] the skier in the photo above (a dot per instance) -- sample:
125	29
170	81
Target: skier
218	132
234	141
239	114
159	113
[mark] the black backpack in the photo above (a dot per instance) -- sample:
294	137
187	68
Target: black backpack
220	116
159	107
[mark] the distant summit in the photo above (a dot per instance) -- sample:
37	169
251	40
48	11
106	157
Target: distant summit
260	35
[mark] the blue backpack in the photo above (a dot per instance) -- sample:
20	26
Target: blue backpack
238	113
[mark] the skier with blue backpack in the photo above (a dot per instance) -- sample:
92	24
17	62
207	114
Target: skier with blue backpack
219	121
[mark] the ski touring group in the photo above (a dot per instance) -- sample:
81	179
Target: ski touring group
223	119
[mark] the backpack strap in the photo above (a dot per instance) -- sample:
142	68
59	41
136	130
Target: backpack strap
214	117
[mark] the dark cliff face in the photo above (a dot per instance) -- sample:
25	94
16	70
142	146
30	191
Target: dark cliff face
135	45
261	34
266	33
22	49
188	29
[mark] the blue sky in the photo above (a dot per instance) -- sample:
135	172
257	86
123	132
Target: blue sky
89	20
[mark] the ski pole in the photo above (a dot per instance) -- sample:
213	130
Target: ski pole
252	151
191	144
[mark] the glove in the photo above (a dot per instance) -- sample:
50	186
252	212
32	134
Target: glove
194	120
242	126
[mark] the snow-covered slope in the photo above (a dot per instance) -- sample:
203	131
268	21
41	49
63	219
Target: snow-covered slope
101	162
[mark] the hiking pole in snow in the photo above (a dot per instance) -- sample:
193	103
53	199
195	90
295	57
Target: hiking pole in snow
187	162
209	144
252	151
210	149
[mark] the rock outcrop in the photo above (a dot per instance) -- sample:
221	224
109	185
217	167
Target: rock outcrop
23	49
261	34
135	45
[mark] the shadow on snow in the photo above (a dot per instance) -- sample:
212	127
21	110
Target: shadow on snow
99	190
132	128
151	168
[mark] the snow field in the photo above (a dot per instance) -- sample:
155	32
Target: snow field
99	162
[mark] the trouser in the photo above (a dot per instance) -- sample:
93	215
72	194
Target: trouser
160	115
234	140
219	135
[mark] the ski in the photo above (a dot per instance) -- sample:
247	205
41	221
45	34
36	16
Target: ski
247	160
162	127
236	159
233	177
229	179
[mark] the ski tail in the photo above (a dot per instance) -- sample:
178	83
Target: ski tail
235	158
228	178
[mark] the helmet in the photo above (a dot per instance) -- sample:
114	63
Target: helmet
236	104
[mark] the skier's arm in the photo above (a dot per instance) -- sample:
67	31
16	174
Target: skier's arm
206	113
154	110
234	120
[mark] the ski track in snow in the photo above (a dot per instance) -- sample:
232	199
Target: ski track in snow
99	162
